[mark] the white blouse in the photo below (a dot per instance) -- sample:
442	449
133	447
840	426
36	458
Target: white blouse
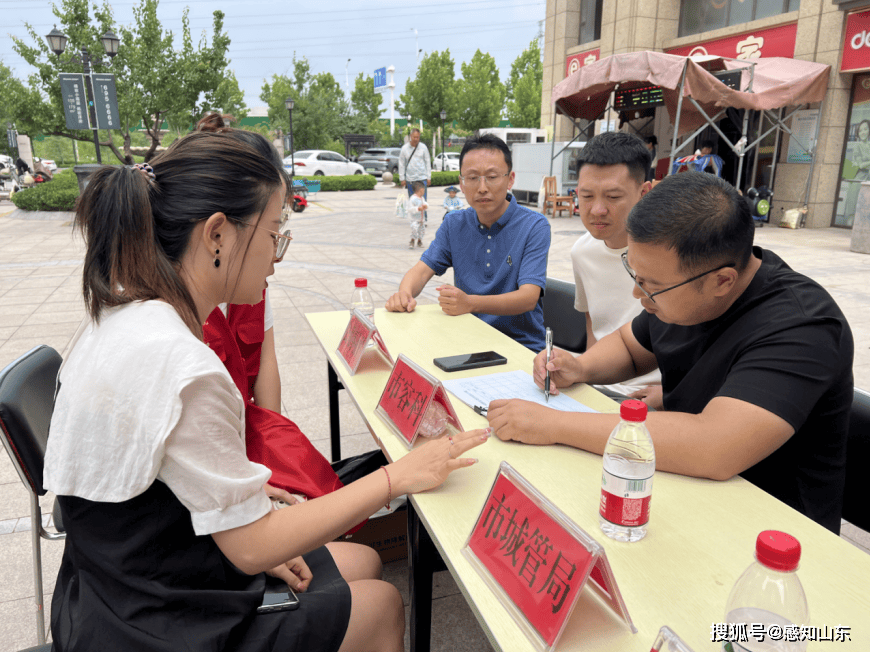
141	398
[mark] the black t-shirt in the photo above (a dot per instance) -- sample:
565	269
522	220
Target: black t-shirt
786	347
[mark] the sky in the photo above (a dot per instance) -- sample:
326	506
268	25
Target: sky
265	34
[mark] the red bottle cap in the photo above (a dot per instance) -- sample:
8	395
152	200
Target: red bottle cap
633	410
778	550
361	283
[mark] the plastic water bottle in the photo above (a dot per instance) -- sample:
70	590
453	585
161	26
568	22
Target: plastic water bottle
361	299
768	598
626	483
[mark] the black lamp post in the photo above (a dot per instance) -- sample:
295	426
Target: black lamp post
57	41
289	104
443	155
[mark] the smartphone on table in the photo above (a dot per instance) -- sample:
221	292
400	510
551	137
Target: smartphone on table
470	361
279	600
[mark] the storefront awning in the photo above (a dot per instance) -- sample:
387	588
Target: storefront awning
774	83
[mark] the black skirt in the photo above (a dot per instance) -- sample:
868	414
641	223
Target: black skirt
135	577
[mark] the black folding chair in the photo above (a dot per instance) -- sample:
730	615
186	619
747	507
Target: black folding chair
27	389
568	325
855	507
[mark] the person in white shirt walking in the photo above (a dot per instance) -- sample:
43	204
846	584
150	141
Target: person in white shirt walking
415	164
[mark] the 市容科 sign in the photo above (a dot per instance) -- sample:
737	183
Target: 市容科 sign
75	100
105	101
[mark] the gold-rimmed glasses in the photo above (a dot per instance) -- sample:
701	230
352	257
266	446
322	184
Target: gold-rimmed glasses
489	180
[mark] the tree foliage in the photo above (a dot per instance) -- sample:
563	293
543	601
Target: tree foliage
524	87
363	99
154	80
432	90
481	93
320	113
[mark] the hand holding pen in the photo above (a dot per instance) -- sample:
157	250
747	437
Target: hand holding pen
549	343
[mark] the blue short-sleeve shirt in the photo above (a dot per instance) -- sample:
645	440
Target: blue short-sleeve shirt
497	260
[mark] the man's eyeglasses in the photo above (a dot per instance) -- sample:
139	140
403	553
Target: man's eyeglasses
650	295
489	180
280	240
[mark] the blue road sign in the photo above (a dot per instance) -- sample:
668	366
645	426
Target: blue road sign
381	79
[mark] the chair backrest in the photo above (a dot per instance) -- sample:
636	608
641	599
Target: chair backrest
27	388
856	498
549	186
569	325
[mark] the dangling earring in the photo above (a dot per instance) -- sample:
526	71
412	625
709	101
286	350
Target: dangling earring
217	262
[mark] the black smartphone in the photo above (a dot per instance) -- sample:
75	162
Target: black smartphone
470	361
279	601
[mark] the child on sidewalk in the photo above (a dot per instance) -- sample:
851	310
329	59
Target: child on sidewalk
417	207
452	202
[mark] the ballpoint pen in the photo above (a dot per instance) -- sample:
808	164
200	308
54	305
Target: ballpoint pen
480	410
549	339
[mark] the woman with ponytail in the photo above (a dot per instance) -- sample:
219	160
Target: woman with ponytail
169	531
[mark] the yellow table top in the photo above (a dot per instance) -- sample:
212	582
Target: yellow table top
701	535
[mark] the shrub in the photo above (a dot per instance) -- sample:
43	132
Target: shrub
445	179
350	182
59	194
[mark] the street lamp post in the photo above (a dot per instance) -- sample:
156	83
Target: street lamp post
57	41
443	155
289	104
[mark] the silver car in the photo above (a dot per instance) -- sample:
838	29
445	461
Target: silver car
378	161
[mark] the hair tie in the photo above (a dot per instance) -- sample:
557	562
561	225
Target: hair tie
145	169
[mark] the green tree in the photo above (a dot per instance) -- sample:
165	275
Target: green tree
364	101
481	93
320	113
431	91
14	95
524	86
154	81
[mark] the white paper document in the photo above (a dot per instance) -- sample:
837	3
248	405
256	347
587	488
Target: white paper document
480	390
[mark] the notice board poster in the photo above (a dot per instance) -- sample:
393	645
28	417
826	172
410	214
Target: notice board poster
803	128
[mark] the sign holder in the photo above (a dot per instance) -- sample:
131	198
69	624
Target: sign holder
668	641
356	337
537	561
411	397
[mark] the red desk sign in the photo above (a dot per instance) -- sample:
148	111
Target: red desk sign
412	398
574	62
537	560
355	339
773	42
856	43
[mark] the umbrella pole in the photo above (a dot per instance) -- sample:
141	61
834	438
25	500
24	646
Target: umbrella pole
677	121
813	160
553	142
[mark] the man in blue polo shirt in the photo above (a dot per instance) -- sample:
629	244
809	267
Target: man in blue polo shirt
498	251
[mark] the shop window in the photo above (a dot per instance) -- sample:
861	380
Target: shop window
698	16
590	21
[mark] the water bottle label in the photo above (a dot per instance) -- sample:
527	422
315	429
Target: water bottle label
625	501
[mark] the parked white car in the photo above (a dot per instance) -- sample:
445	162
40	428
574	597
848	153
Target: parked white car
451	162
317	162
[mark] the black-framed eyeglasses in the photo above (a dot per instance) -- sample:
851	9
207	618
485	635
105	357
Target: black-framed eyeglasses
650	295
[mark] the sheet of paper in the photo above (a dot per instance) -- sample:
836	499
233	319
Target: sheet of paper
480	390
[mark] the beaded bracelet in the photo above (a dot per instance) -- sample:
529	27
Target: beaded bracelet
389	490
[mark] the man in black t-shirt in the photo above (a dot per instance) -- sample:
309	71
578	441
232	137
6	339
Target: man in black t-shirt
756	359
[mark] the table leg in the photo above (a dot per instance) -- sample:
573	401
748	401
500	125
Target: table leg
334	422
425	561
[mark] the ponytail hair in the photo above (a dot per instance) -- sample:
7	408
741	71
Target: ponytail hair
137	230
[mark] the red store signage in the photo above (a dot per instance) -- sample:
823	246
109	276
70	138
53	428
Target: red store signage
773	42
574	62
537	560
856	44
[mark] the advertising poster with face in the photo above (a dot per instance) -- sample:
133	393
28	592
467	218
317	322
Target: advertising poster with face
856	158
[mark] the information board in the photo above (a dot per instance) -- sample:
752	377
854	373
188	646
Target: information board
638	98
381	80
75	100
106	101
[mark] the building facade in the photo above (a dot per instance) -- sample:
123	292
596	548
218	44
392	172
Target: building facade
833	32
